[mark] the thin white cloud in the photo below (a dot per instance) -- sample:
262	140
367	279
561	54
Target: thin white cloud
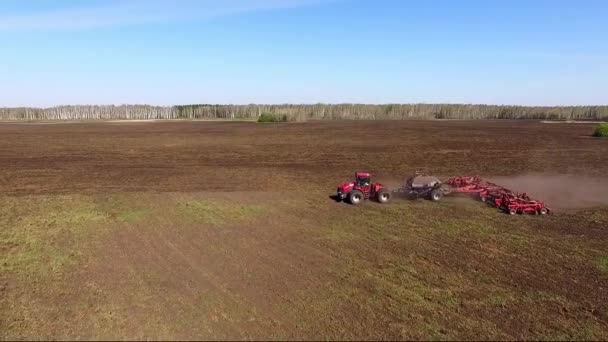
136	12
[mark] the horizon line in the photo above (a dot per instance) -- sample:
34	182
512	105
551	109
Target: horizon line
303	104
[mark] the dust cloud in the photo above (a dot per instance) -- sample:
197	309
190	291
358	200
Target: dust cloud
560	191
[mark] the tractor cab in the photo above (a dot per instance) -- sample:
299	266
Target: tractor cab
362	179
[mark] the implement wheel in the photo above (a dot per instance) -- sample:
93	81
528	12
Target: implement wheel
436	195
543	211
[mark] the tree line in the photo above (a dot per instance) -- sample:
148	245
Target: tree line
307	112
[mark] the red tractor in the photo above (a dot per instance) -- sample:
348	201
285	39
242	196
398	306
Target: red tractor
363	189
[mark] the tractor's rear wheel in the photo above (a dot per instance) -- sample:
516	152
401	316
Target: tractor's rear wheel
436	195
383	196
355	197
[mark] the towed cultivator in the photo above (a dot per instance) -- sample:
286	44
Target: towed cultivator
422	184
495	195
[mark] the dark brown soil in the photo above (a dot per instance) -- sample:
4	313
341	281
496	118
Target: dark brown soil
227	156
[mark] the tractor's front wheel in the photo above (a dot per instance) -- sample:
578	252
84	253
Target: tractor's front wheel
384	196
355	197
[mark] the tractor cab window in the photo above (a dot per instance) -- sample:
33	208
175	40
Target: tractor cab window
363	181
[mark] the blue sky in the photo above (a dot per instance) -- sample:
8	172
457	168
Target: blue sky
303	51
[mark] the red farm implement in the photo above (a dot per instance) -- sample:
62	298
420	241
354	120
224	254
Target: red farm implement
497	196
521	204
487	191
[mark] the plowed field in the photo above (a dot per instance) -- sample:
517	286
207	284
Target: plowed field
226	230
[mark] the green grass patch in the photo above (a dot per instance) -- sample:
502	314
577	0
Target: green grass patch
602	264
539	297
337	233
43	235
43	240
133	215
403	288
126	208
601	130
217	212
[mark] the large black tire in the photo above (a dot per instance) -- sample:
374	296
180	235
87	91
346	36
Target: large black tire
383	196
355	197
436	195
